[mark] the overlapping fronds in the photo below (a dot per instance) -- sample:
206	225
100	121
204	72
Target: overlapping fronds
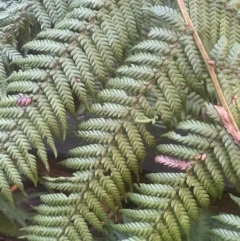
85	41
160	72
172	200
81	43
15	22
82	48
214	19
14	32
227	60
119	151
152	71
230	225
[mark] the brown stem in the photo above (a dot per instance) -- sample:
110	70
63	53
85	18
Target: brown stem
209	63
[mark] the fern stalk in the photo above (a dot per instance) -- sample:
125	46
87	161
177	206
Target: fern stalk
209	63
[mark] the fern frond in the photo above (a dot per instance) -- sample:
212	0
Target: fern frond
15	21
230	230
164	34
37	61
153	84
23	128
164	66
48	81
229	219
216	19
140	229
172	162
170	15
42	15
176	196
119	147
95	47
227	60
222	234
235	199
20	132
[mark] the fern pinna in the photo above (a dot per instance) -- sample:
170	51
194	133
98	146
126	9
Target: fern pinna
227	227
126	79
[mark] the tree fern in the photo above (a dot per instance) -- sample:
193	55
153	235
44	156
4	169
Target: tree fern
126	79
83	49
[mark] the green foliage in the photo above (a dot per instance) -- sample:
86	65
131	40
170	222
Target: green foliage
14	32
80	65
12	219
131	64
174	198
230	225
